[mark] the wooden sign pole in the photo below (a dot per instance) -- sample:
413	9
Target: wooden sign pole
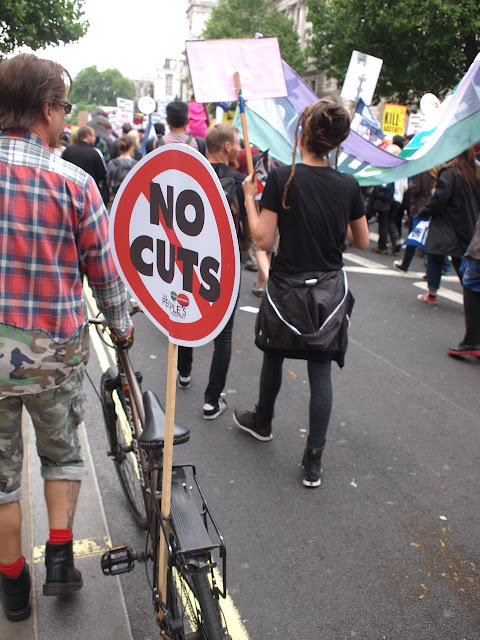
167	467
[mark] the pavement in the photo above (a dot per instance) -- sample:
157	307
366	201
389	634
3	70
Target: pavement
96	612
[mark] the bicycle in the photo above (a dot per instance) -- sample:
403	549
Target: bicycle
134	423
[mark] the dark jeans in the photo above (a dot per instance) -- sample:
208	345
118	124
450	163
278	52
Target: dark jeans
222	353
387	227
435	264
321	394
471	307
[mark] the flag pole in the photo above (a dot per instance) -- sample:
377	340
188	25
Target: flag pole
243	118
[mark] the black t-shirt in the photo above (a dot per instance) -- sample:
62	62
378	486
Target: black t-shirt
322	202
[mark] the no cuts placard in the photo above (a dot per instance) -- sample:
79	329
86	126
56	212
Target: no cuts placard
175	246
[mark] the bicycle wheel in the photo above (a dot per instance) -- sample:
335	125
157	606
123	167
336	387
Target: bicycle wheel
194	604
122	447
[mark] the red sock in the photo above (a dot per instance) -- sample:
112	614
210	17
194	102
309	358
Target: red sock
60	536
14	569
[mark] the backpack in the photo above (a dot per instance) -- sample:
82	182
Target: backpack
160	141
120	173
381	198
229	187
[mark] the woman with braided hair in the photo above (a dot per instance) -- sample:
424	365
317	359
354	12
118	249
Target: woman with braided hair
305	312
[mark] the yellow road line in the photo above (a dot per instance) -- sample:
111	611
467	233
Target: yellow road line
81	548
235	625
236	628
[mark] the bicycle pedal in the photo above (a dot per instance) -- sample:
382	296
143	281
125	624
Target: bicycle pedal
118	560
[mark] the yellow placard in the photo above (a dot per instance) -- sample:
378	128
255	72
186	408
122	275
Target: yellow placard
394	119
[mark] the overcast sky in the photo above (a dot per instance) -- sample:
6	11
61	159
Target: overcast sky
134	37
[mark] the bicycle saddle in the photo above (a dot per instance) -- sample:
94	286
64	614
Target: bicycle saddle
154	433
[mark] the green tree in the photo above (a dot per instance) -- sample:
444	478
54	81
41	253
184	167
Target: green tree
244	18
38	23
426	46
93	87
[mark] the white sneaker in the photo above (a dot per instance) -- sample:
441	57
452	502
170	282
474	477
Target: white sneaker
183	382
210	412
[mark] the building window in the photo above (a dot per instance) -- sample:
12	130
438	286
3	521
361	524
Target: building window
314	85
169	84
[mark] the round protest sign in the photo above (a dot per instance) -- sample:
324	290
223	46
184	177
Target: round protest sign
175	246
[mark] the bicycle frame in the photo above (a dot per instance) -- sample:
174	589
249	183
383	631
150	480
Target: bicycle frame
185	533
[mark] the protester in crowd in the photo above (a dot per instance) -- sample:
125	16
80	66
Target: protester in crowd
471	298
198	120
382	207
55	235
114	152
104	135
152	143
134	135
400	188
223	146
83	154
306	312
454	210
470	345
177	120
118	167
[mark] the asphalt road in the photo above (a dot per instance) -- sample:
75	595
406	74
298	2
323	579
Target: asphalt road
387	547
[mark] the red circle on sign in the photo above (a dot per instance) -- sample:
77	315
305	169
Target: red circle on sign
183	300
212	314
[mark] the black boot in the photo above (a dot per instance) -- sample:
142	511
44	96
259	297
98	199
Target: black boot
312	466
62	577
15	593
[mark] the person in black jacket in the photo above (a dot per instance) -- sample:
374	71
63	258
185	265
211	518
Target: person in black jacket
305	313
454	210
84	154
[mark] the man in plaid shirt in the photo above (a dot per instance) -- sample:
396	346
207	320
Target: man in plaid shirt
53	233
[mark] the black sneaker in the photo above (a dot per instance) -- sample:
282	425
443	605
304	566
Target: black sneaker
210	411
312	466
183	382
247	421
398	265
15	595
382	252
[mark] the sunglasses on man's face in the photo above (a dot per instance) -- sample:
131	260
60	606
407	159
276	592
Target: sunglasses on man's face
66	105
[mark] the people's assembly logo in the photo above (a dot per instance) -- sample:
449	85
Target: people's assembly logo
176	304
175	245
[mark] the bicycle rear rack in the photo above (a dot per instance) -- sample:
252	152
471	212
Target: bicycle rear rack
192	545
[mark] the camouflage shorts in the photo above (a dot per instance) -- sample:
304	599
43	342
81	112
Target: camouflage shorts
56	415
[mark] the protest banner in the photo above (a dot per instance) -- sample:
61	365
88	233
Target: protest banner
124	113
362	76
175	246
394	119
246	69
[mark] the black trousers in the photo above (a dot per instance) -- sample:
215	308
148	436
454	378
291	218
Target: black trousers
471	307
222	353
321	394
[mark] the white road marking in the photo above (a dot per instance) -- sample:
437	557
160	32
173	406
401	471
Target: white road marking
365	262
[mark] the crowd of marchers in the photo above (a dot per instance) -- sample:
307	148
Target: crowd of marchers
54	199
